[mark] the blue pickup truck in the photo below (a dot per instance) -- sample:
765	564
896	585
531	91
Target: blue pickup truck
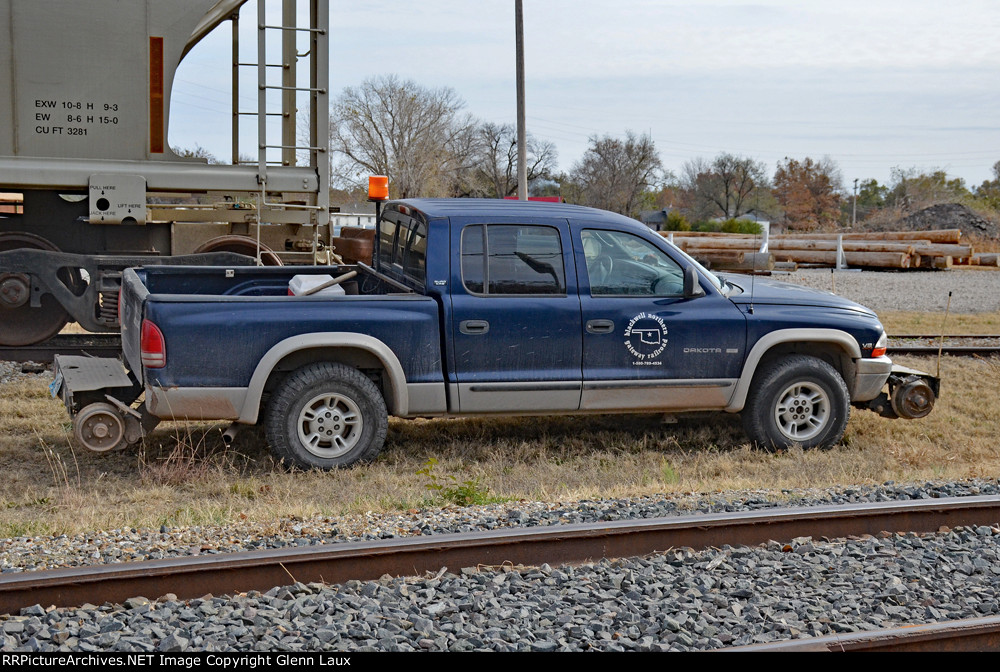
474	307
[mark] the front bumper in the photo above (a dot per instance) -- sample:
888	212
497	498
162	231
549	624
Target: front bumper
871	377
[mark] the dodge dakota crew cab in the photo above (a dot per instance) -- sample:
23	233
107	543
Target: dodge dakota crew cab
474	307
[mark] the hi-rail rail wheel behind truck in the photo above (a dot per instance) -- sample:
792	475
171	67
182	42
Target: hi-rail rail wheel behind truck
88	183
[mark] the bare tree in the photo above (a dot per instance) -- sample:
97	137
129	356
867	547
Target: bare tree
729	186
616	174
989	190
415	136
198	152
494	173
913	189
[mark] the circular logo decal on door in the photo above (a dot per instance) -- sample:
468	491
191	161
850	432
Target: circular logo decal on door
646	338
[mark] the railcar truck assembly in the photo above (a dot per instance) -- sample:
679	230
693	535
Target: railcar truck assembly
88	183
474	307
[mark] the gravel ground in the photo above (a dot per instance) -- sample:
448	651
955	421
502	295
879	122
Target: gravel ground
925	291
11	371
679	600
128	545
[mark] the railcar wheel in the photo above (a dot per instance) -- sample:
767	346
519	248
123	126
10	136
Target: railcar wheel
326	415
797	401
20	323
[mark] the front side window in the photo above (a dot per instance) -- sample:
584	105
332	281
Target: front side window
623	264
502	259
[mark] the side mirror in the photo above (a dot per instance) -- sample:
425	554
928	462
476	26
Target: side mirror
692	288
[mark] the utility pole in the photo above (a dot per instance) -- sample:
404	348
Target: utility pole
854	210
522	150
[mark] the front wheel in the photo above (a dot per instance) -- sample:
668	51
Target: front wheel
797	401
324	416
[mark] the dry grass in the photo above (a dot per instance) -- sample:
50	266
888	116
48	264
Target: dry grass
183	475
911	322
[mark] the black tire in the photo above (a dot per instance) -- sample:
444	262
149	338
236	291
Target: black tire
797	401
325	416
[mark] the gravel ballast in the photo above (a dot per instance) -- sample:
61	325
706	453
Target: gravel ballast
921	291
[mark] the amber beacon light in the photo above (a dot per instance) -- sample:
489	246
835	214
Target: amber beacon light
378	192
378	188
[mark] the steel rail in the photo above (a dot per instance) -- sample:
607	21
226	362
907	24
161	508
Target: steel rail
951	350
974	634
934	337
95	345
189	577
950	344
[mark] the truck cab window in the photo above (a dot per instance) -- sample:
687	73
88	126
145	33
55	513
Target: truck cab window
415	254
387	233
621	264
403	247
504	259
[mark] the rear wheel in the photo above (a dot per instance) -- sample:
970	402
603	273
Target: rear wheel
797	401
325	416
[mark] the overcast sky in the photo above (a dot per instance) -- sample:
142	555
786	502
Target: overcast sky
873	84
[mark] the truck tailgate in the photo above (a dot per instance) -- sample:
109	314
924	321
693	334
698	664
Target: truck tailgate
133	295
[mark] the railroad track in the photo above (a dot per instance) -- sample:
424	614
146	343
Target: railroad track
95	345
950	350
189	577
261	570
947	337
955	345
109	345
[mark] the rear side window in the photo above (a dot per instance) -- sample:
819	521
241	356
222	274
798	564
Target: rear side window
415	252
387	231
403	246
505	259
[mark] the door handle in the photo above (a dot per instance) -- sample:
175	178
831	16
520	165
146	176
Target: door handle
474	327
600	326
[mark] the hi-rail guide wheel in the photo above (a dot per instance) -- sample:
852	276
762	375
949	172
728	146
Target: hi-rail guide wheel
99	427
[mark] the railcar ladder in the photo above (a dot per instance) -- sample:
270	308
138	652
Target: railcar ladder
316	151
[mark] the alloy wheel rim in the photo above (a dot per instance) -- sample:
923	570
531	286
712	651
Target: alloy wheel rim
803	411
330	425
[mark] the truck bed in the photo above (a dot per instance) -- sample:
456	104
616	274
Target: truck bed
195	306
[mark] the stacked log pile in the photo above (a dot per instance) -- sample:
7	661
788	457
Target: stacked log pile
889	249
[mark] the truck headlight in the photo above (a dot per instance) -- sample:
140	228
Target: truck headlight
881	345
